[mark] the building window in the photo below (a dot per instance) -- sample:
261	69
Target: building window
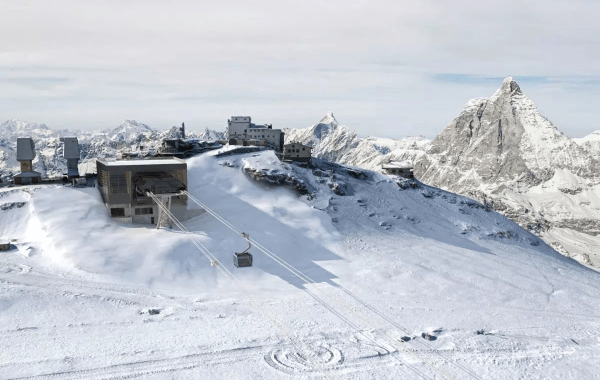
117	211
144	211
102	178
118	184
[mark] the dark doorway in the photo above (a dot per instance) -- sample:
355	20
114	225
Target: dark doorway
117	211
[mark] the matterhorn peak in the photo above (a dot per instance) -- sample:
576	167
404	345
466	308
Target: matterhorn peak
510	86
328	119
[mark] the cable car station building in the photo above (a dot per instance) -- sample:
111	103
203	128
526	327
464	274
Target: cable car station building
125	185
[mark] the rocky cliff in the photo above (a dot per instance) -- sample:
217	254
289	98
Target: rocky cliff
502	151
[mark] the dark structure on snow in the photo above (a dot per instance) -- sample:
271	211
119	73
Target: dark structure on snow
125	187
72	154
401	169
25	155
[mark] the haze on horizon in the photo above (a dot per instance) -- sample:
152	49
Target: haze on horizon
384	68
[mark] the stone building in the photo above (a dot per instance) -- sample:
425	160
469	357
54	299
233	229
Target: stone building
297	152
403	169
241	131
125	185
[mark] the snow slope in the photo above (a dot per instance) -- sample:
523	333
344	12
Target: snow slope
84	297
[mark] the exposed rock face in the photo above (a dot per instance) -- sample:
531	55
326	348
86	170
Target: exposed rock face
503	152
337	143
497	141
269	178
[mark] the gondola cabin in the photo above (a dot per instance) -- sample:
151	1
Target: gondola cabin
242	259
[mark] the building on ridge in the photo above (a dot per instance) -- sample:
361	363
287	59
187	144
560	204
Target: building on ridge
297	152
403	169
241	131
25	156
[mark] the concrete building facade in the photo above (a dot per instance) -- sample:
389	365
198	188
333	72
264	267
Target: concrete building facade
124	186
25	156
297	152
72	154
241	131
402	169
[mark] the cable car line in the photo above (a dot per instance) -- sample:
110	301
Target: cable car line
335	312
292	269
309	281
300	346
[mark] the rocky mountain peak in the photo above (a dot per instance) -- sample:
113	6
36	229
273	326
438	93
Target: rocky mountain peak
502	146
135	125
509	90
326	126
329	119
15	125
510	86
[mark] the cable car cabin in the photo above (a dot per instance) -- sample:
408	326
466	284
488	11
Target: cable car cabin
242	259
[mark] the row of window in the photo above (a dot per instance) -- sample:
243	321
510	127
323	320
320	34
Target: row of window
144	211
120	211
118	184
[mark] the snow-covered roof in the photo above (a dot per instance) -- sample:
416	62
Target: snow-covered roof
398	165
241	119
25	149
71	148
298	144
170	161
27	174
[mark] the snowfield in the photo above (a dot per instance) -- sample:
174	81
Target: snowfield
385	264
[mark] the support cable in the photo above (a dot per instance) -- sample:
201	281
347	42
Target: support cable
322	302
300	346
310	281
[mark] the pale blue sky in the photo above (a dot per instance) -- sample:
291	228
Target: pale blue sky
386	68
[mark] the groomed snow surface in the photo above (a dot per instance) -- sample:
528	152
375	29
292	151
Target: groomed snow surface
85	297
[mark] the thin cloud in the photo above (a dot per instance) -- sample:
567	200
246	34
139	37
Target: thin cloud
388	68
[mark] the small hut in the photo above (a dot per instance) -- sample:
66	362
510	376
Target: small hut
403	169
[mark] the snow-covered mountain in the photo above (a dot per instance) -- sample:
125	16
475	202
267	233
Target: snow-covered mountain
129	136
337	143
502	151
499	150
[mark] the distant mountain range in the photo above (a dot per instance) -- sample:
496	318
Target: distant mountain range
130	135
500	151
